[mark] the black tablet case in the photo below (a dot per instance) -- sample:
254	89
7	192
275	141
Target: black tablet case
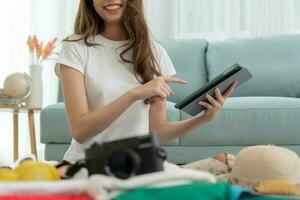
195	108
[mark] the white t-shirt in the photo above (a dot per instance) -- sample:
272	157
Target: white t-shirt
107	77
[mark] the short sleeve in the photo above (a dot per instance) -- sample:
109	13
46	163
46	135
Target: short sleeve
72	54
164	62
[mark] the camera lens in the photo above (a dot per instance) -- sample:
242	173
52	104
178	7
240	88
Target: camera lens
123	164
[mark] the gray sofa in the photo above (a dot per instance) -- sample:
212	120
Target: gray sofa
266	110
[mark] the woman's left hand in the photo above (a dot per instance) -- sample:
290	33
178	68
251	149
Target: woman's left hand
214	106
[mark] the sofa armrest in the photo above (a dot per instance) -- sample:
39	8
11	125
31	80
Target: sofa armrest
54	125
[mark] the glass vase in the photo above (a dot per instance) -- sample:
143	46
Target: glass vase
36	96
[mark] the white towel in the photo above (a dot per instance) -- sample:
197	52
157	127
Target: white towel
64	187
104	188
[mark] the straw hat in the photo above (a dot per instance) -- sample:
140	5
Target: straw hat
256	165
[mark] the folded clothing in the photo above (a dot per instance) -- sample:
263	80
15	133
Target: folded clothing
196	191
199	191
64	197
241	193
64	187
220	165
103	187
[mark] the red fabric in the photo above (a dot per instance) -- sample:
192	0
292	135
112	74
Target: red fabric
65	197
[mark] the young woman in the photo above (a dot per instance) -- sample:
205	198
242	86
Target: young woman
115	78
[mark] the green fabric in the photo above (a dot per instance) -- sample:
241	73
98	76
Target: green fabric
250	121
197	191
188	57
273	61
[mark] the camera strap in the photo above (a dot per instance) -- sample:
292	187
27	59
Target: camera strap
72	169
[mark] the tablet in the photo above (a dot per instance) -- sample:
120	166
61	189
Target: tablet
236	72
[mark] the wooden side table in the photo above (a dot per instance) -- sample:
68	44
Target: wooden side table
15	110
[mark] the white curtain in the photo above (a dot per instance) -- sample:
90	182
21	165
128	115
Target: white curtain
222	19
15	23
51	19
20	18
162	17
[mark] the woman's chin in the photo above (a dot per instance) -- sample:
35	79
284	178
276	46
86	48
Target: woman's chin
113	20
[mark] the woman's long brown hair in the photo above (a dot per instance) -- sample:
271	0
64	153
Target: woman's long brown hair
88	23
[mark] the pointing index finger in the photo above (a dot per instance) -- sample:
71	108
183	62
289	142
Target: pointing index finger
170	79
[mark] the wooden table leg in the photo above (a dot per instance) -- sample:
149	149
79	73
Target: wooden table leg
32	132
16	135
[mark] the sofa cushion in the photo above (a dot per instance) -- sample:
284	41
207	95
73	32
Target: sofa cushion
187	154
188	57
54	124
273	61
173	115
175	154
250	121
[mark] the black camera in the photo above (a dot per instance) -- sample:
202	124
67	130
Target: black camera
126	158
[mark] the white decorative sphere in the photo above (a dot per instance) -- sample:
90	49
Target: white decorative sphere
17	85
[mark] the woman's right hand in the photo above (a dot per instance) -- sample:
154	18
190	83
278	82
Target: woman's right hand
158	87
